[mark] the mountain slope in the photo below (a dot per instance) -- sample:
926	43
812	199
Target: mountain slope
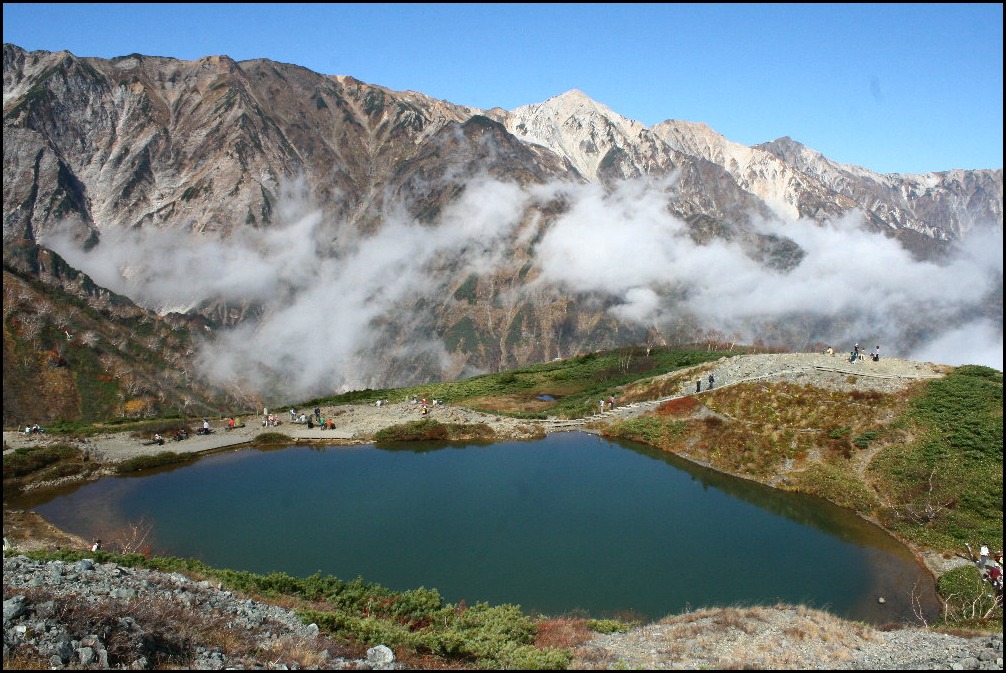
362	236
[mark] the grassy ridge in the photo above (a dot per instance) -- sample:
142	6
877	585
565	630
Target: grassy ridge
927	462
575	383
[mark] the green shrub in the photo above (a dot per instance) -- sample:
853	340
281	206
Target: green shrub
272	438
607	626
863	440
839	433
969	600
834	484
649	429
413	431
149	462
28	459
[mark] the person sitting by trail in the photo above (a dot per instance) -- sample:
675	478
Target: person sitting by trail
231	424
829	351
310	422
205	430
158	439
330	424
995	576
96	546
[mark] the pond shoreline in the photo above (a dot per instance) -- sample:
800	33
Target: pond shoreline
356	424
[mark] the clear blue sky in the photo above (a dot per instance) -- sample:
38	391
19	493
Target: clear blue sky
899	88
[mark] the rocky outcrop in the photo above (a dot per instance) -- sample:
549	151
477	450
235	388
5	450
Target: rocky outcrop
101	616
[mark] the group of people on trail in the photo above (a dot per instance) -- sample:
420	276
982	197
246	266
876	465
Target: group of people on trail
323	423
992	570
858	354
610	402
698	384
33	429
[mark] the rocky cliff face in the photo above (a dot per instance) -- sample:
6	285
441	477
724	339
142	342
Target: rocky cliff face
133	169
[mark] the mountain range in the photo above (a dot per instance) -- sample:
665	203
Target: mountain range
199	233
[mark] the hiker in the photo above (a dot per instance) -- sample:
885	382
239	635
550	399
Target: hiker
983	555
601	403
995	576
317	414
698	386
96	546
712	380
205	430
158	439
293	415
876	354
611	402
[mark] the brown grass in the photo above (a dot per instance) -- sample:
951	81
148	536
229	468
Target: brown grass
562	633
169	633
679	407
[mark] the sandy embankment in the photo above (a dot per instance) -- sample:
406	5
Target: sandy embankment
354	424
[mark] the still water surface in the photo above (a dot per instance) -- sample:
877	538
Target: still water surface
569	523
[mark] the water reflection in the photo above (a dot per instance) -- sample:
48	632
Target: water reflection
570	522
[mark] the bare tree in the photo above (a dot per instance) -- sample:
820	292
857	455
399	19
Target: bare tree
135	537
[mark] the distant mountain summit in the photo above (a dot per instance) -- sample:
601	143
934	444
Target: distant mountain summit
177	153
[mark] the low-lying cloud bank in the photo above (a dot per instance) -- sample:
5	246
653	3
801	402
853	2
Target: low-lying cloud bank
328	296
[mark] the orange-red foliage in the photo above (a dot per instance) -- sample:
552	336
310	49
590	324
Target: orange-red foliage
682	406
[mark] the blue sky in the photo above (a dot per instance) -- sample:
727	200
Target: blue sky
895	88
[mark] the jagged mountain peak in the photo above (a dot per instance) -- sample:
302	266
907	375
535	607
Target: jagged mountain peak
575	126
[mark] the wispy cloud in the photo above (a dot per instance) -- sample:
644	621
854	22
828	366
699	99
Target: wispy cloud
326	309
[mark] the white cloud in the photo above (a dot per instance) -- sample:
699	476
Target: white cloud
324	303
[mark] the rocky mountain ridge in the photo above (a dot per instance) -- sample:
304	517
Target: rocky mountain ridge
179	185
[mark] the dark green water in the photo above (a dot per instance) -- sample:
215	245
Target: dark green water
565	524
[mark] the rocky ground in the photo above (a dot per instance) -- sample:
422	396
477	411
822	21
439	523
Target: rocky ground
768	638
